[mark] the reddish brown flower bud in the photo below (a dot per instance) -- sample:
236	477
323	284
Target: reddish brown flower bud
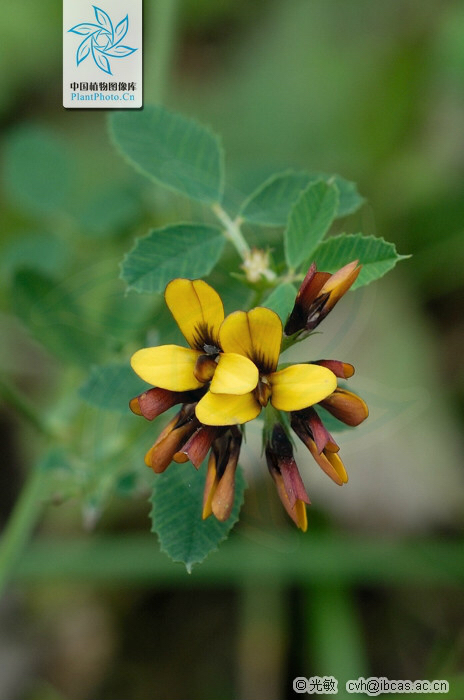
330	463
318	294
154	402
219	492
342	370
200	443
284	471
172	439
346	406
304	423
312	424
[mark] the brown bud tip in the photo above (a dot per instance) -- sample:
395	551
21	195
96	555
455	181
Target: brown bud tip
134	406
342	370
154	402
346	406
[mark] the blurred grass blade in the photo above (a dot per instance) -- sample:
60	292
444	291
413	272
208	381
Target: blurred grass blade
27	511
263	624
335	644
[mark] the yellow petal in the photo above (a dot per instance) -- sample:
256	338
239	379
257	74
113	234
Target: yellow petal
341	281
226	409
223	498
198	310
257	334
301	516
210	486
338	465
329	462
167	366
234	374
299	386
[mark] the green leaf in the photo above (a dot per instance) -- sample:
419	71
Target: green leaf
310	219
49	310
271	203
112	386
175	151
349	198
281	300
176	514
376	255
37	171
180	250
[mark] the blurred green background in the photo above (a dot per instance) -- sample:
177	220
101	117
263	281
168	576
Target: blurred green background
373	91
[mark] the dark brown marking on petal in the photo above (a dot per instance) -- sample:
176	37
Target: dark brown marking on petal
205	339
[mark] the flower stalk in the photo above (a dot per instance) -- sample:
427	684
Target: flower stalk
232	231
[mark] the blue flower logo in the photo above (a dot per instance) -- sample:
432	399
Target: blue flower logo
102	40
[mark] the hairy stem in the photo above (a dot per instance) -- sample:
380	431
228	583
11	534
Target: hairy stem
232	231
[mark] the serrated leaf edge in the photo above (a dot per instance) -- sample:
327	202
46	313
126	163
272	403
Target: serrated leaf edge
345	236
190	224
189	565
151	177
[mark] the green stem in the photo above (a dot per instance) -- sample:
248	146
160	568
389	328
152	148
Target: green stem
161	31
22	405
232	231
26	513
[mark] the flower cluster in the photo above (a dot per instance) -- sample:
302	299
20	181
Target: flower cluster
230	373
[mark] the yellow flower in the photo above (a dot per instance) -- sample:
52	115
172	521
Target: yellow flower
257	336
199	313
237	357
229	373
